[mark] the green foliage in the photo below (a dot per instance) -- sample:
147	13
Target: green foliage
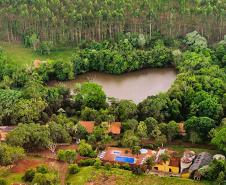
127	110
92	95
58	133
29	136
142	130
87	162
3	182
29	175
10	154
45	179
195	40
219	139
85	149
63	70
45	47
129	139
107	166
42	169
73	169
200	125
68	156
97	163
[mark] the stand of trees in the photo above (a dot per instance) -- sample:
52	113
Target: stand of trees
76	20
197	97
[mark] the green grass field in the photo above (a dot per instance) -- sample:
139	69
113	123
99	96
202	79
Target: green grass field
10	177
123	177
25	56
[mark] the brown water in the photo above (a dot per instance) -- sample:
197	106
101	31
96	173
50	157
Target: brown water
134	86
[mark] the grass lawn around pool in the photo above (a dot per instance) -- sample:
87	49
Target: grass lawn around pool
21	56
124	177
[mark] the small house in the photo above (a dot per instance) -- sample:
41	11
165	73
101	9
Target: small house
201	160
172	165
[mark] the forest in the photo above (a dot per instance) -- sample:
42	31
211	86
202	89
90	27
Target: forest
114	37
72	21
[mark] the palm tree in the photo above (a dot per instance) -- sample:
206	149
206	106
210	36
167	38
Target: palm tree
164	158
150	162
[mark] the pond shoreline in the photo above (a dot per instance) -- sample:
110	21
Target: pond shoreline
135	85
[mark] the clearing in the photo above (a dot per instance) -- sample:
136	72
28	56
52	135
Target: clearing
25	56
91	176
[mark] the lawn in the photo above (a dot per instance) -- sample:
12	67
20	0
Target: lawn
10	177
123	177
180	149
25	56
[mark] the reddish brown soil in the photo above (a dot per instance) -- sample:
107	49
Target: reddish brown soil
48	154
22	165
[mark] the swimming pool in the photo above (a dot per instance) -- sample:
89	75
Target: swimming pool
129	160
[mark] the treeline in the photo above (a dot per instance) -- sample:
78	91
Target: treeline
72	21
129	53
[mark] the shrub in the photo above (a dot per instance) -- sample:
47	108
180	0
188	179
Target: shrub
97	163
9	154
87	162
126	167
45	179
68	156
116	165
29	175
42	169
73	169
107	166
2	182
86	150
137	171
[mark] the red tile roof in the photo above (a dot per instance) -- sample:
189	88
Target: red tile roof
89	126
115	128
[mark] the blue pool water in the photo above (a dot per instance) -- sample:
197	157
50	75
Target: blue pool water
129	160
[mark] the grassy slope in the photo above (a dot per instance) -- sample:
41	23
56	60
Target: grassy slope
10	177
127	178
25	56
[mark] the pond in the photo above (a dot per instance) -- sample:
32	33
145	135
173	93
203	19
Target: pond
134	86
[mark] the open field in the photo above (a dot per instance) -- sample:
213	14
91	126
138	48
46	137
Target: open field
10	177
90	175
25	56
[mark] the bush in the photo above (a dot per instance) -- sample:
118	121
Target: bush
116	165
2	182
73	169
9	154
137	171
107	166
29	175
87	162
42	169
68	156
85	149
45	179
126	167
45	47
97	163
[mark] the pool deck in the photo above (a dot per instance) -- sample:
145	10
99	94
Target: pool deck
111	153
